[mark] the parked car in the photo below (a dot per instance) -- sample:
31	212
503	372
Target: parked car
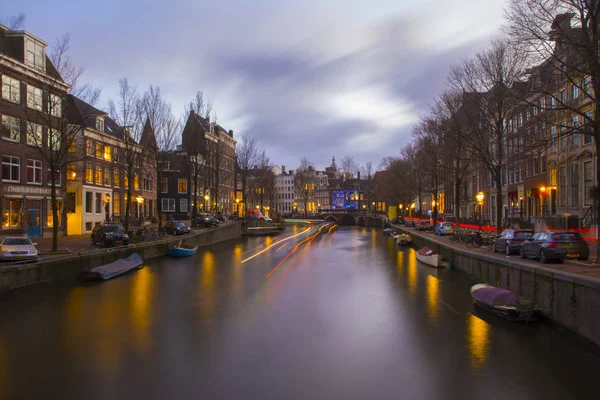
206	220
510	240
17	249
555	246
109	235
176	228
444	228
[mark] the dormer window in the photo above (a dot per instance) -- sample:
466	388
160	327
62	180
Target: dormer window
35	56
100	124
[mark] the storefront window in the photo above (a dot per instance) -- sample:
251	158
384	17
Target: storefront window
59	206
11	216
116	203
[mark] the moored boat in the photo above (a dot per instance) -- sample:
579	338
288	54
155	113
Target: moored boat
429	257
183	251
119	267
388	231
404	239
503	302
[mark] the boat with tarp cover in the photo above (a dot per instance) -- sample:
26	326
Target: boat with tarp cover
119	267
503	303
429	256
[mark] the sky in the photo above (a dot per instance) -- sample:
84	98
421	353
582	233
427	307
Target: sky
307	78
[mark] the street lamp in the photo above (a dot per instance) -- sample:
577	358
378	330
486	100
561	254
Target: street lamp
543	191
479	198
205	201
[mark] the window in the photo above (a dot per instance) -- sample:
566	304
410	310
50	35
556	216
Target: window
89	172
71	172
575	128
34	98
182	185
11	168
574	185
563	136
115	154
168	205
553	139
108	153
11	89
527	115
34	134
587	182
100	124
587	85
544	161
147	182
588	128
72	146
520	120
98	179
164	185
563	72
183	205
574	92
116	178
562	180
89	148
34	172
99	150
12	127
553	102
136	181
116	203
35	55
536	166
126	181
563	96
54	139
98	203
49	219
88	202
55	106
542	104
107	175
529	166
11	217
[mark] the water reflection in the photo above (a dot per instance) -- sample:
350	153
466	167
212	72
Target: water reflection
110	308
412	274
4	381
478	332
400	264
141	309
237	279
433	293
207	287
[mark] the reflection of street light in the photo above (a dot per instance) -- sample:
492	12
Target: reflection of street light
479	197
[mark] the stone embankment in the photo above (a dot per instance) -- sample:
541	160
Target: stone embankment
69	266
566	294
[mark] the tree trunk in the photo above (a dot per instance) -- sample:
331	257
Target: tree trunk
195	206
243	194
54	212
498	178
457	199
597	142
159	201
128	201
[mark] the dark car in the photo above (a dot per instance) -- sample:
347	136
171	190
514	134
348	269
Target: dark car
176	228
206	220
109	235
510	240
555	246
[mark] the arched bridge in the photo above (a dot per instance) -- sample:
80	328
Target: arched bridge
354	219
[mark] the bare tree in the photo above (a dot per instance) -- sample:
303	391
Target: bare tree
14	22
247	155
159	137
128	114
349	167
304	180
488	80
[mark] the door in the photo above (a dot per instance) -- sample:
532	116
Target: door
33	223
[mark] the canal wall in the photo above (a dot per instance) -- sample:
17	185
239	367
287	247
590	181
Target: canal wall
570	300
68	267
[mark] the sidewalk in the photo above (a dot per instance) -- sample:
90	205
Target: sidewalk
583	268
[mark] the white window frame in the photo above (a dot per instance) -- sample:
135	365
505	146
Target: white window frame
11	163
170	204
55	105
35	54
34	130
13	126
36	166
183	205
100	124
35	98
11	89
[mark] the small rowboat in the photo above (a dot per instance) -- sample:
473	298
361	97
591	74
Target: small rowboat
183	251
114	269
503	303
404	239
429	257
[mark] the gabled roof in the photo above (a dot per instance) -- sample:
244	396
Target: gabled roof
79	112
148	139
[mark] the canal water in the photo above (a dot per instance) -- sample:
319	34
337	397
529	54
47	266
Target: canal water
347	316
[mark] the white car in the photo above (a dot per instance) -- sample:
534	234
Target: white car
17	249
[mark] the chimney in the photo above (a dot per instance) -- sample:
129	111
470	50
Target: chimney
358	175
283	169
230	133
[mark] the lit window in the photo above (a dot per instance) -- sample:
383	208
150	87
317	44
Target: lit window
11	168
126	181
164	185
34	172
55	106
116	178
182	185
34	98
11	89
107	176
59	206
136	181
99	150
116	203
98	179
71	172
108	153
89	172
35	55
12	127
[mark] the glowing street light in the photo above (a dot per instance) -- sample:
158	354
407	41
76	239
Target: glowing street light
479	197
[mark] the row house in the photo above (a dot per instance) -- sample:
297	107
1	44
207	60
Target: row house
98	183
284	189
31	108
176	191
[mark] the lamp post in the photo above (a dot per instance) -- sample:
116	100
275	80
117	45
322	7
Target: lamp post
237	206
205	201
543	192
479	198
